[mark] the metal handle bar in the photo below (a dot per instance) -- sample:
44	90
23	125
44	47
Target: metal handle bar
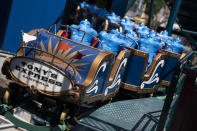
134	41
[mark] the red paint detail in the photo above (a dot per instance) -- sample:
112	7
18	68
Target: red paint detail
64	46
79	56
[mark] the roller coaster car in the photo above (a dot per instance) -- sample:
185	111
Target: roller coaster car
159	73
139	80
59	75
64	70
170	63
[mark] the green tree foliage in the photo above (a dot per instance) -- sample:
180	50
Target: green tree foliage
158	4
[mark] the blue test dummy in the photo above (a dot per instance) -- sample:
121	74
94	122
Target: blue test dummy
139	27
110	41
77	35
113	18
124	40
176	46
127	24
84	5
142	30
132	35
164	36
156	37
150	46
152	33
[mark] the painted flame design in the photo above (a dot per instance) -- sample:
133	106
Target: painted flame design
63	54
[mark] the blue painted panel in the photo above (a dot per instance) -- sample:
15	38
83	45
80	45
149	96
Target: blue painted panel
167	71
98	86
154	76
134	70
120	73
28	15
103	77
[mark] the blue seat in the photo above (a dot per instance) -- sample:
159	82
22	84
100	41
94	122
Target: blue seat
170	63
136	77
